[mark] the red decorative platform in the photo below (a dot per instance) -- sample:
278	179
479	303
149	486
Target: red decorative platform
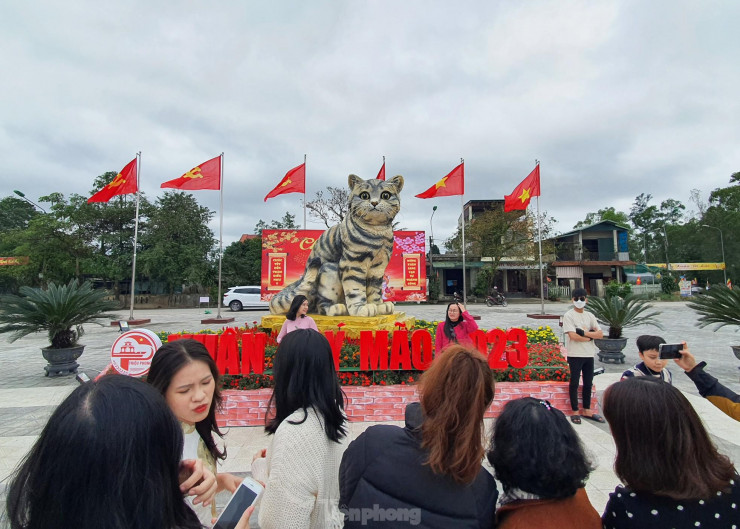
387	403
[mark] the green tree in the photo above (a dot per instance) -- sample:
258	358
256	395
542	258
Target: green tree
242	263
15	214
604	214
723	213
652	224
497	234
109	227
177	244
286	223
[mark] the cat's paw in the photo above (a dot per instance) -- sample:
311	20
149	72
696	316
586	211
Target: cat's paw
363	310
385	308
337	310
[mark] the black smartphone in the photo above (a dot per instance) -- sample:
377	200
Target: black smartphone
670	350
246	494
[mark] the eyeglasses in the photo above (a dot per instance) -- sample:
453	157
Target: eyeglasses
582	298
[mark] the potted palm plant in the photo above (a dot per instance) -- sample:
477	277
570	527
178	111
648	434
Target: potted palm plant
720	305
619	313
61	311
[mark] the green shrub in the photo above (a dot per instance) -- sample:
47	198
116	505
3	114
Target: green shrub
615	288
668	284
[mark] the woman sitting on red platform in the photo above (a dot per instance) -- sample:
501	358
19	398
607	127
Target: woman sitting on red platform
457	327
542	465
429	473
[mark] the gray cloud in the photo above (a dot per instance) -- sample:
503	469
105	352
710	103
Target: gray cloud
615	99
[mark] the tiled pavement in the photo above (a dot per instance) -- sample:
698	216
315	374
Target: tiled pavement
27	398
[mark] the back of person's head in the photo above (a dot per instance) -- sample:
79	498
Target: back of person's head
172	357
648	342
305	377
662	445
455	392
295	305
108	457
536	450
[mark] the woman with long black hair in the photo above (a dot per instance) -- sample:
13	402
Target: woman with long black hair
109	456
457	328
306	420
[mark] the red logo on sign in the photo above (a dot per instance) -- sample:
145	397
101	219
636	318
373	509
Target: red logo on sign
132	352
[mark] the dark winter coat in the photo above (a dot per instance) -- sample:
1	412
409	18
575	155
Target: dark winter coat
384	482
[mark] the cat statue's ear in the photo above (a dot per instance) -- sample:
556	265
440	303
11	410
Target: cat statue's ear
354	180
398	182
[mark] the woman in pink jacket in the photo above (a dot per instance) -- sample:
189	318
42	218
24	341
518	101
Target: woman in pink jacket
457	328
297	318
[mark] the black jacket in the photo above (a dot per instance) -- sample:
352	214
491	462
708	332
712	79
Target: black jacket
384	483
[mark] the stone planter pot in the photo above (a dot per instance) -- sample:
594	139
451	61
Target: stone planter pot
62	361
610	349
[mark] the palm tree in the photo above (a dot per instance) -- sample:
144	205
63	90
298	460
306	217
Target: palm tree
720	305
620	313
56	310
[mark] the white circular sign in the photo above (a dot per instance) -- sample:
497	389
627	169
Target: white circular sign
131	354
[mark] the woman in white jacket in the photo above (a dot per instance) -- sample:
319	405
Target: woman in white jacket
306	419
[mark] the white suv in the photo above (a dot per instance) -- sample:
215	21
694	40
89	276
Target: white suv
238	298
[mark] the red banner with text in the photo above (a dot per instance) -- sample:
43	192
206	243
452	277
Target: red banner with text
285	252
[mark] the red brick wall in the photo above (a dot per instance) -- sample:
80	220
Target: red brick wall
387	403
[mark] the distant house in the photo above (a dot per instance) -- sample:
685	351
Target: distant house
592	256
247	236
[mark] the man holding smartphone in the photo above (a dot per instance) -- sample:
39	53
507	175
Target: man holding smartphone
582	329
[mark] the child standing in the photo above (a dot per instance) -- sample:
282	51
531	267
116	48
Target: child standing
652	365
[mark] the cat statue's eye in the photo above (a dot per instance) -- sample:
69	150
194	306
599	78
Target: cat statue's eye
385	195
364	195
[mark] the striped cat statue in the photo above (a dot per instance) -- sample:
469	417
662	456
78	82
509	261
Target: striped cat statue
344	273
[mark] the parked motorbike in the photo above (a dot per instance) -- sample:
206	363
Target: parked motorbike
457	297
497	298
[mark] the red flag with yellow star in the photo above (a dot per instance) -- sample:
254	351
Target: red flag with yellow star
294	181
124	183
530	187
204	176
452	184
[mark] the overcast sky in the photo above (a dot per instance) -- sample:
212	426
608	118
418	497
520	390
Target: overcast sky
614	99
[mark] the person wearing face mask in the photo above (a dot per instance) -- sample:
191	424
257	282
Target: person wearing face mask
581	329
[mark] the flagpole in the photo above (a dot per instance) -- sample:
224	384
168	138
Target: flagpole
136	235
539	241
462	208
304	193
220	234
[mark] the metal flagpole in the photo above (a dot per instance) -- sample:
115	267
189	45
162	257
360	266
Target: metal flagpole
220	235
136	235
539	241
462	208
304	193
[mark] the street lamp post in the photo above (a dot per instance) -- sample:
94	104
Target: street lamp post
722	243
431	242
23	196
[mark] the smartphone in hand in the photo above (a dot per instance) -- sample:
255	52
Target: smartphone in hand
244	496
667	351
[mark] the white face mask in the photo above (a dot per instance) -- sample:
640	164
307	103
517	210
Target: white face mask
579	304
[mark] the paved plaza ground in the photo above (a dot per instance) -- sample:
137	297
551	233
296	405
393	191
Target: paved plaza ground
27	398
